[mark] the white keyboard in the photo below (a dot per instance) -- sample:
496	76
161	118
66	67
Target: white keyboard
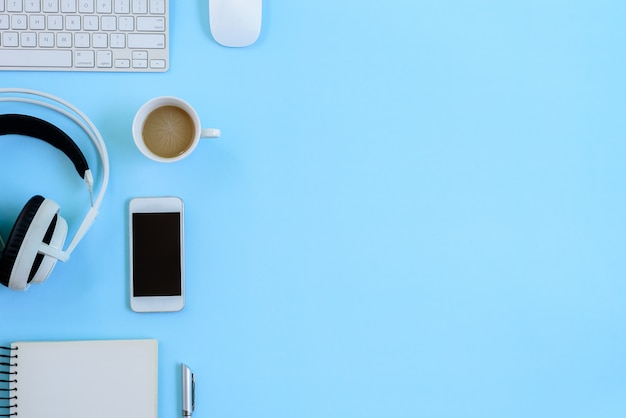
84	35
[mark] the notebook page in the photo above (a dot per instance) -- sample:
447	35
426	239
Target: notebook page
96	379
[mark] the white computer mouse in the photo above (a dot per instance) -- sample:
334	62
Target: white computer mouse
235	22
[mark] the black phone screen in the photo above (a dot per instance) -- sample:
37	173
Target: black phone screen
157	267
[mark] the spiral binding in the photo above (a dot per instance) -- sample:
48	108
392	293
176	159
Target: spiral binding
8	395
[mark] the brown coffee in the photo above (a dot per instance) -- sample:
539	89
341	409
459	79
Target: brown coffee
168	131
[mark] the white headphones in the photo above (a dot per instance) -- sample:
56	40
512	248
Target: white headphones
38	235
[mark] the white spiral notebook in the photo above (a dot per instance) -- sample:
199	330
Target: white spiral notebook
78	379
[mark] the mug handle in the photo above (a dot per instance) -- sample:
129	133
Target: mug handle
210	133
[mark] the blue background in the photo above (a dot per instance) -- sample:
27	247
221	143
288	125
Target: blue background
416	209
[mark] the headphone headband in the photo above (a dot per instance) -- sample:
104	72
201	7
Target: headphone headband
38	128
63	142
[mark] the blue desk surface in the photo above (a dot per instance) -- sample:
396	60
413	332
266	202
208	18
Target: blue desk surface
416	209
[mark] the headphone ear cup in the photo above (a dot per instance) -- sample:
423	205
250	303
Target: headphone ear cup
23	261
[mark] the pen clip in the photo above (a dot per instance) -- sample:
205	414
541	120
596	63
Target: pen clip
193	392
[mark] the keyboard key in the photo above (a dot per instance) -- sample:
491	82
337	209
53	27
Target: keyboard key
35	58
100	40
122	63
140	6
51	6
140	63
151	24
157	6
126	23
19	22
118	40
85	6
37	22
121	6
55	22
64	40
136	40
68	6
72	22
81	40
28	39
157	64
84	59
10	39
109	23
32	6
140	55
14	6
103	6
91	23
104	59
46	39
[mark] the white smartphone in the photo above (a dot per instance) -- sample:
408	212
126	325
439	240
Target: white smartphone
157	262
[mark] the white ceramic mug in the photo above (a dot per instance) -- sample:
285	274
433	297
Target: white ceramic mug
168	129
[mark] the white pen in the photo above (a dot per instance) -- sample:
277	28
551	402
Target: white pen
189	391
